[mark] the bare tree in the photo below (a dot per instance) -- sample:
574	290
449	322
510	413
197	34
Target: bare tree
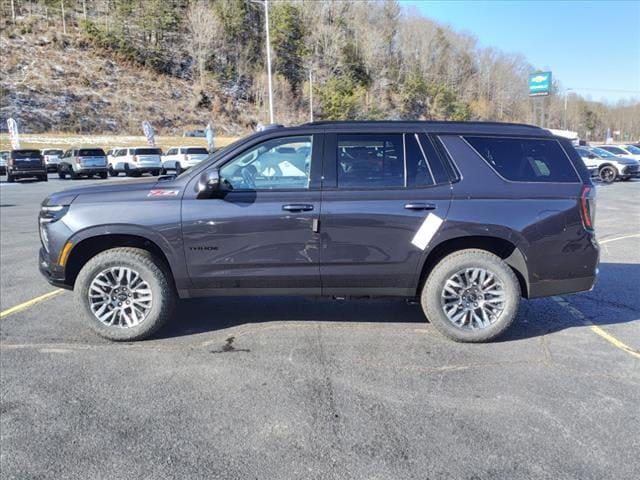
203	27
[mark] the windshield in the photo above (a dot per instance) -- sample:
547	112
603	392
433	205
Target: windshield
634	150
601	152
197	151
26	154
616	150
91	152
148	151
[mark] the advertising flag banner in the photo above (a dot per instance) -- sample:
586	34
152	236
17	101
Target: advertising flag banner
12	126
148	132
210	140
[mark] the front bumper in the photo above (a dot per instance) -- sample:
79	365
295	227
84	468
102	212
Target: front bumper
632	171
52	273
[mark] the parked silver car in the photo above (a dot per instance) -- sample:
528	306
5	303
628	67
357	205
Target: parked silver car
52	158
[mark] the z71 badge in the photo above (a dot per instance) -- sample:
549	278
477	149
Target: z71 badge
161	192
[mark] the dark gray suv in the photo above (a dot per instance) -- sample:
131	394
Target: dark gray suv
466	217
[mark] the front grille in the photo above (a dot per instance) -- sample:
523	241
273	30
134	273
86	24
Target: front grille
631	169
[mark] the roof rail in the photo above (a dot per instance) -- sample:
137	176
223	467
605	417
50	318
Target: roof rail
432	122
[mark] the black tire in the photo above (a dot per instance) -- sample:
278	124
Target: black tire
178	168
608	174
73	174
103	175
127	170
10	178
112	172
163	171
155	173
154	272
61	174
44	178
448	267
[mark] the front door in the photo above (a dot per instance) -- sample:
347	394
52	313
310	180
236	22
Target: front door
382	204
259	238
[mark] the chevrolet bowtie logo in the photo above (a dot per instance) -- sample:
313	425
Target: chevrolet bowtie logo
539	78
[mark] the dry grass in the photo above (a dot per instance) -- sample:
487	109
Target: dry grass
64	141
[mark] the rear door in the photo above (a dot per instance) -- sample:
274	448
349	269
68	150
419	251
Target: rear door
385	195
261	235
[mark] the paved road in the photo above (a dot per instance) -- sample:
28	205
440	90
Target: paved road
304	388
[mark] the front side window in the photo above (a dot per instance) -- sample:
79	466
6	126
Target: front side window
525	159
370	161
279	163
615	150
633	150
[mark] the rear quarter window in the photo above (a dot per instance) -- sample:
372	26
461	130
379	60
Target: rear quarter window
525	159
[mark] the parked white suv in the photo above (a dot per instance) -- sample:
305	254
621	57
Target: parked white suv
52	159
134	161
628	151
610	167
182	158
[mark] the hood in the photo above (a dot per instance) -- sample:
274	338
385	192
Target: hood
65	197
627	161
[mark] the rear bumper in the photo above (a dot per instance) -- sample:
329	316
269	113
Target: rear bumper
550	288
53	274
90	170
28	173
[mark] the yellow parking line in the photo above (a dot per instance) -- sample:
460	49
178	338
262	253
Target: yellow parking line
633	235
610	338
595	328
30	303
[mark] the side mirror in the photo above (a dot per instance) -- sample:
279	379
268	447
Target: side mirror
209	184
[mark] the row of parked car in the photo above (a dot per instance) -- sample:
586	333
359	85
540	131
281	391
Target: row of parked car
606	162
91	161
611	162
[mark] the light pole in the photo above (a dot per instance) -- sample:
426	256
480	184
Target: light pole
266	26
566	97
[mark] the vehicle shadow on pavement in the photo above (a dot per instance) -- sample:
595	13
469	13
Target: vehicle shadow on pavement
536	317
612	301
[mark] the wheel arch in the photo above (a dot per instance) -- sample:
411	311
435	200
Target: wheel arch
501	247
90	246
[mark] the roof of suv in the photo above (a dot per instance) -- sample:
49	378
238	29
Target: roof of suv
437	126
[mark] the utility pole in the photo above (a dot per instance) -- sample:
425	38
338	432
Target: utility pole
84	8
266	20
13	12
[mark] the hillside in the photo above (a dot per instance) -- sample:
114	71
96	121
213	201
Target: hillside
52	82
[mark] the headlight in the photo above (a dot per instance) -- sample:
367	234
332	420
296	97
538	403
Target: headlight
49	214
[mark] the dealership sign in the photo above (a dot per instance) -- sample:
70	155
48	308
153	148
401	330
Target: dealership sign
539	84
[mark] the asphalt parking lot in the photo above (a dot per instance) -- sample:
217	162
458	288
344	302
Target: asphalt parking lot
312	388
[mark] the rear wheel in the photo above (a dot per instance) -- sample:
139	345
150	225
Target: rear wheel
112	172
103	175
44	178
73	174
155	173
127	170
10	178
61	173
125	293
471	296
608	174
178	168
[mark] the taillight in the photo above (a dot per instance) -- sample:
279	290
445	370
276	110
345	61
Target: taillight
135	159
588	207
10	162
78	160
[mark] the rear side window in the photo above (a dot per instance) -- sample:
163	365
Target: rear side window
370	161
525	160
91	152
201	151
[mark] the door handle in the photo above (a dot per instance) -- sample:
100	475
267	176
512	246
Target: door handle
297	207
420	206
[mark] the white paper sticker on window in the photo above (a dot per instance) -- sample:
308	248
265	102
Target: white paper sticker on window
427	231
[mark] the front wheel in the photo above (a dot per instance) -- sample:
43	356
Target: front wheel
471	296
608	174
125	293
